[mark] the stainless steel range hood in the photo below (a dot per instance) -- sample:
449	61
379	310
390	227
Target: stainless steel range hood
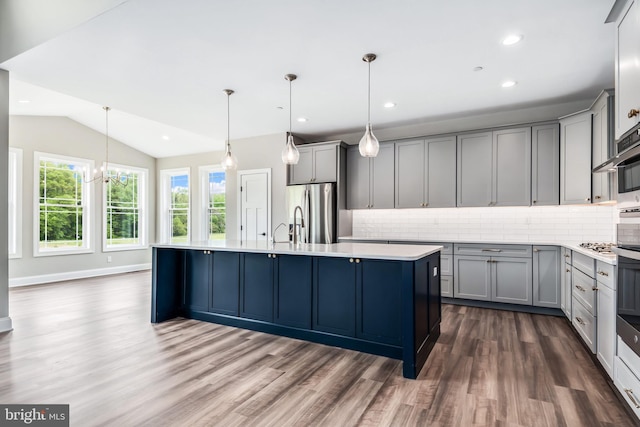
628	146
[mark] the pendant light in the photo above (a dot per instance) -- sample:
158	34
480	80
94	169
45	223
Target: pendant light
290	154
104	176
369	145
229	161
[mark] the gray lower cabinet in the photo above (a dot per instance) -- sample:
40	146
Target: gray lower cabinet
545	165
575	159
370	181
425	173
511	280
475	160
472	277
546	276
512	167
446	286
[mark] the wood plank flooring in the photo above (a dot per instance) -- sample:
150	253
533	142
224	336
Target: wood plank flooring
89	343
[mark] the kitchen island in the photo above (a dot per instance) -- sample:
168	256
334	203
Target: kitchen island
379	299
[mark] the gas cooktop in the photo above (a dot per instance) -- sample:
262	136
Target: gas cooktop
601	248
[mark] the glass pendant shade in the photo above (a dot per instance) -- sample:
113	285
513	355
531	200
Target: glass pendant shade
369	145
229	161
290	153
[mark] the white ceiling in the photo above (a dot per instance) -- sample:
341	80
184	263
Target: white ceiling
162	65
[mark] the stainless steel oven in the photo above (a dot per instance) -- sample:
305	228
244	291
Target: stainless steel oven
627	162
628	303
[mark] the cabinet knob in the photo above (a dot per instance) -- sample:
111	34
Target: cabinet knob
633	113
568	271
536	250
357	260
426	204
588	199
350	259
595	288
535	201
598	197
273	256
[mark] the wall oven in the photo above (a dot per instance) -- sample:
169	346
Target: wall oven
627	162
628	303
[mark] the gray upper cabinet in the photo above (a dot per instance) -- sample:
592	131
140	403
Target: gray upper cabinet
627	67
547	273
512	167
440	174
475	158
602	145
370	180
575	159
545	165
317	163
426	173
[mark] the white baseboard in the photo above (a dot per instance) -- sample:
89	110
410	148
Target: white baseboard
5	324
71	275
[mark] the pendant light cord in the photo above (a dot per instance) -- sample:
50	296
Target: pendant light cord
228	125
290	108
369	96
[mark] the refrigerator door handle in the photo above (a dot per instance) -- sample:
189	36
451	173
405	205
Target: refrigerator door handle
327	214
305	215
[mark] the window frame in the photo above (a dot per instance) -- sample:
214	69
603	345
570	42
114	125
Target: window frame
165	202
204	172
143	209
15	203
87	206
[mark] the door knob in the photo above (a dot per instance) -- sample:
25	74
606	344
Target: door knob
263	234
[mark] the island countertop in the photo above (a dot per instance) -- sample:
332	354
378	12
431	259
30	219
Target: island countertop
397	252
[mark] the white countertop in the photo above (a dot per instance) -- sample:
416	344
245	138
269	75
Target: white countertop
607	258
343	249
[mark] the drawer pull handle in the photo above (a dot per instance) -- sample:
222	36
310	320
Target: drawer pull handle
492	250
567	256
633	113
602	273
633	399
580	321
595	288
580	288
568	271
536	250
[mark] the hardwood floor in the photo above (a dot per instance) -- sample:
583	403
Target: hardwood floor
89	343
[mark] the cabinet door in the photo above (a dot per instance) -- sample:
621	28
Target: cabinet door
325	164
511	280
512	167
546	276
575	159
627	77
606	326
334	291
382	178
293	291
197	279
358	177
601	141
474	170
472	278
545	165
256	290
378	302
446	283
440	174
302	172
409	174
225	288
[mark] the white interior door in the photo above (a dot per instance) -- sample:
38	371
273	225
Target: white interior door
255	204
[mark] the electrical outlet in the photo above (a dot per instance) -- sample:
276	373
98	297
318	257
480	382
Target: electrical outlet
109	258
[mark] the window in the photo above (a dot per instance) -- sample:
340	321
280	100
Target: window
15	203
176	205
214	212
125	213
62	206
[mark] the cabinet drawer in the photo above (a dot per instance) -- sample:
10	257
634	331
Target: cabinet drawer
446	265
583	290
628	385
566	255
446	286
584	263
585	324
492	250
605	274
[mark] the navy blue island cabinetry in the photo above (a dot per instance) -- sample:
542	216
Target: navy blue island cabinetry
380	301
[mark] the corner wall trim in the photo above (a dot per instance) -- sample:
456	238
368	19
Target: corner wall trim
5	324
71	275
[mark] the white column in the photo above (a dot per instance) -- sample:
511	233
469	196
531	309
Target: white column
5	320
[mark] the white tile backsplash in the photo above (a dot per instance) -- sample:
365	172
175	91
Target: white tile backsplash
540	224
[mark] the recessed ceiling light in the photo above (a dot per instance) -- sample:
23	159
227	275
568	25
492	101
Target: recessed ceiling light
389	104
509	83
165	137
478	68
302	119
512	39
23	101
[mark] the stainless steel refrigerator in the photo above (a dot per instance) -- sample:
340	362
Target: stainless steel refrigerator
318	205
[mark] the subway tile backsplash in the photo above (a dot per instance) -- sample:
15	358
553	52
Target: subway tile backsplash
540	224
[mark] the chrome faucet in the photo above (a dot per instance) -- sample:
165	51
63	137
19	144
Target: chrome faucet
295	234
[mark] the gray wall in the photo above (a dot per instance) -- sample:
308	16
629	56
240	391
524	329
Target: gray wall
261	152
5	323
61	135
